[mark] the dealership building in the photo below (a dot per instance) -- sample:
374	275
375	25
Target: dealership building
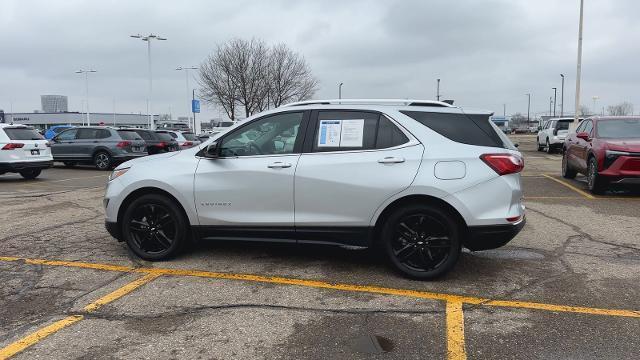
42	120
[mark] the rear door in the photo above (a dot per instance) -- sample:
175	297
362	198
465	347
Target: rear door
86	141
352	162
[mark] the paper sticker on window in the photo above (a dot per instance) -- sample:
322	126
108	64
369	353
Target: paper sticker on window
329	135
352	133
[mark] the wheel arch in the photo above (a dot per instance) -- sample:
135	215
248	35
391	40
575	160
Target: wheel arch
98	149
146	191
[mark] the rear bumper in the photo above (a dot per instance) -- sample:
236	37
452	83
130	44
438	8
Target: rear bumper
17	166
492	236
113	230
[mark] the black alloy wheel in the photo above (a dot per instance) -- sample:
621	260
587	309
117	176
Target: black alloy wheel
154	227
422	241
595	182
567	171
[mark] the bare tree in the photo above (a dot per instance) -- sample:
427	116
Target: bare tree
217	83
290	77
584	111
625	108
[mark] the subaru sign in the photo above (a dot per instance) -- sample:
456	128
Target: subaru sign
195	106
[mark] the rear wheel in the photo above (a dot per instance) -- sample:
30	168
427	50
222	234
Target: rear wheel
154	227
567	171
30	174
595	182
102	160
422	241
549	150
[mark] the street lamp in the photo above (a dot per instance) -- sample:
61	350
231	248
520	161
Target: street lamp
562	97
340	90
186	73
438	91
574	124
528	107
86	87
595	98
555	93
148	39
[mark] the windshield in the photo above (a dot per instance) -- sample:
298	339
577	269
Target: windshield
129	135
619	129
190	136
164	136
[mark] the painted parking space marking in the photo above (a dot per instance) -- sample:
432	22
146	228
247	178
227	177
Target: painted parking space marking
455	331
566	184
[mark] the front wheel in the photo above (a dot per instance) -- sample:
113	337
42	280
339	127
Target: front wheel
595	182
422	241
30	174
540	147
567	171
549	149
154	227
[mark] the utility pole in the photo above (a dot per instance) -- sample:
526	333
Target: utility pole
186	73
550	104
528	107
148	39
504	110
196	129
562	97
574	124
340	90
438	90
114	111
555	93
86	84
595	98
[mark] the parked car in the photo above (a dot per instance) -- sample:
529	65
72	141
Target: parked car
157	143
172	125
55	130
606	150
185	139
23	150
552	134
102	146
419	179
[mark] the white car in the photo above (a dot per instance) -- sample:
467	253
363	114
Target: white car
185	139
23	150
552	134
419	179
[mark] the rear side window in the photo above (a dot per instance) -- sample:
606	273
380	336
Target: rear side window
145	135
23	133
59	129
129	135
476	130
389	135
190	136
164	136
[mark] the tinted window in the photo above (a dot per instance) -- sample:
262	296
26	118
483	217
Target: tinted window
345	130
164	136
129	135
462	128
389	135
173	135
271	135
23	134
87	134
145	135
59	129
563	125
190	136
67	135
580	127
588	126
619	129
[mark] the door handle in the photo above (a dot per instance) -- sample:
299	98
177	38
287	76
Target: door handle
391	160
279	165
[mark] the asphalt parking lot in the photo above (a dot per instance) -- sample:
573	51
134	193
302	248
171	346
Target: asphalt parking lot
568	286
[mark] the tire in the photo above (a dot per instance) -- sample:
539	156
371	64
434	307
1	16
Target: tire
69	163
567	171
102	160
540	148
595	182
549	150
154	227
421	241
30	174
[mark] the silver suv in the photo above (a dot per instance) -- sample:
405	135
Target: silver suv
101	146
418	179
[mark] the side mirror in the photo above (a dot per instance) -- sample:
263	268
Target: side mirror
212	151
539	128
516	145
583	135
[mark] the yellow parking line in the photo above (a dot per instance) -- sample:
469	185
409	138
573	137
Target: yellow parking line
581	192
550	197
35	337
339	286
455	331
117	294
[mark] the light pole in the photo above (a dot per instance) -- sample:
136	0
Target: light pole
340	90
528	107
438	90
86	88
595	98
550	104
562	97
574	124
504	110
555	93
186	73
148	39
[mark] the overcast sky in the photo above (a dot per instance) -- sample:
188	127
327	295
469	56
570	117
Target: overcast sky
487	53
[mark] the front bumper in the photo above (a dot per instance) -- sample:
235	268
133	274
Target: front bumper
18	166
492	236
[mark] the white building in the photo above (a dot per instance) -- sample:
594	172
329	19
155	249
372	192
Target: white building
45	120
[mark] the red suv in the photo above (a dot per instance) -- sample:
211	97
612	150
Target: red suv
605	149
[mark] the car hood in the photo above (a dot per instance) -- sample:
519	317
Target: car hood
156	157
631	145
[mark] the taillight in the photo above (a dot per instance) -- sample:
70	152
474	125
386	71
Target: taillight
162	144
11	146
504	164
123	144
187	143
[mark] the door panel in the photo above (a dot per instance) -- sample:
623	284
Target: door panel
345	188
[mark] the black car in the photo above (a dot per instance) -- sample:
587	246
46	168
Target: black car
157	143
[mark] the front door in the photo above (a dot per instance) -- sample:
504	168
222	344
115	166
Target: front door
62	145
249	187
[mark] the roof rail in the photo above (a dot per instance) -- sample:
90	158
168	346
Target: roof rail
403	102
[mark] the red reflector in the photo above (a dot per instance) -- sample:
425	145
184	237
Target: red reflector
513	218
11	146
123	144
187	143
504	164
162	144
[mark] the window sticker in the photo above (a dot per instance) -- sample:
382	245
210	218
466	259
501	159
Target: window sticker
352	133
330	131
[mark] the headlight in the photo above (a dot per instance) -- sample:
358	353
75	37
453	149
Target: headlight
117	173
617	153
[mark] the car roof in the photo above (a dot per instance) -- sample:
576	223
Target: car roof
605	118
381	105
